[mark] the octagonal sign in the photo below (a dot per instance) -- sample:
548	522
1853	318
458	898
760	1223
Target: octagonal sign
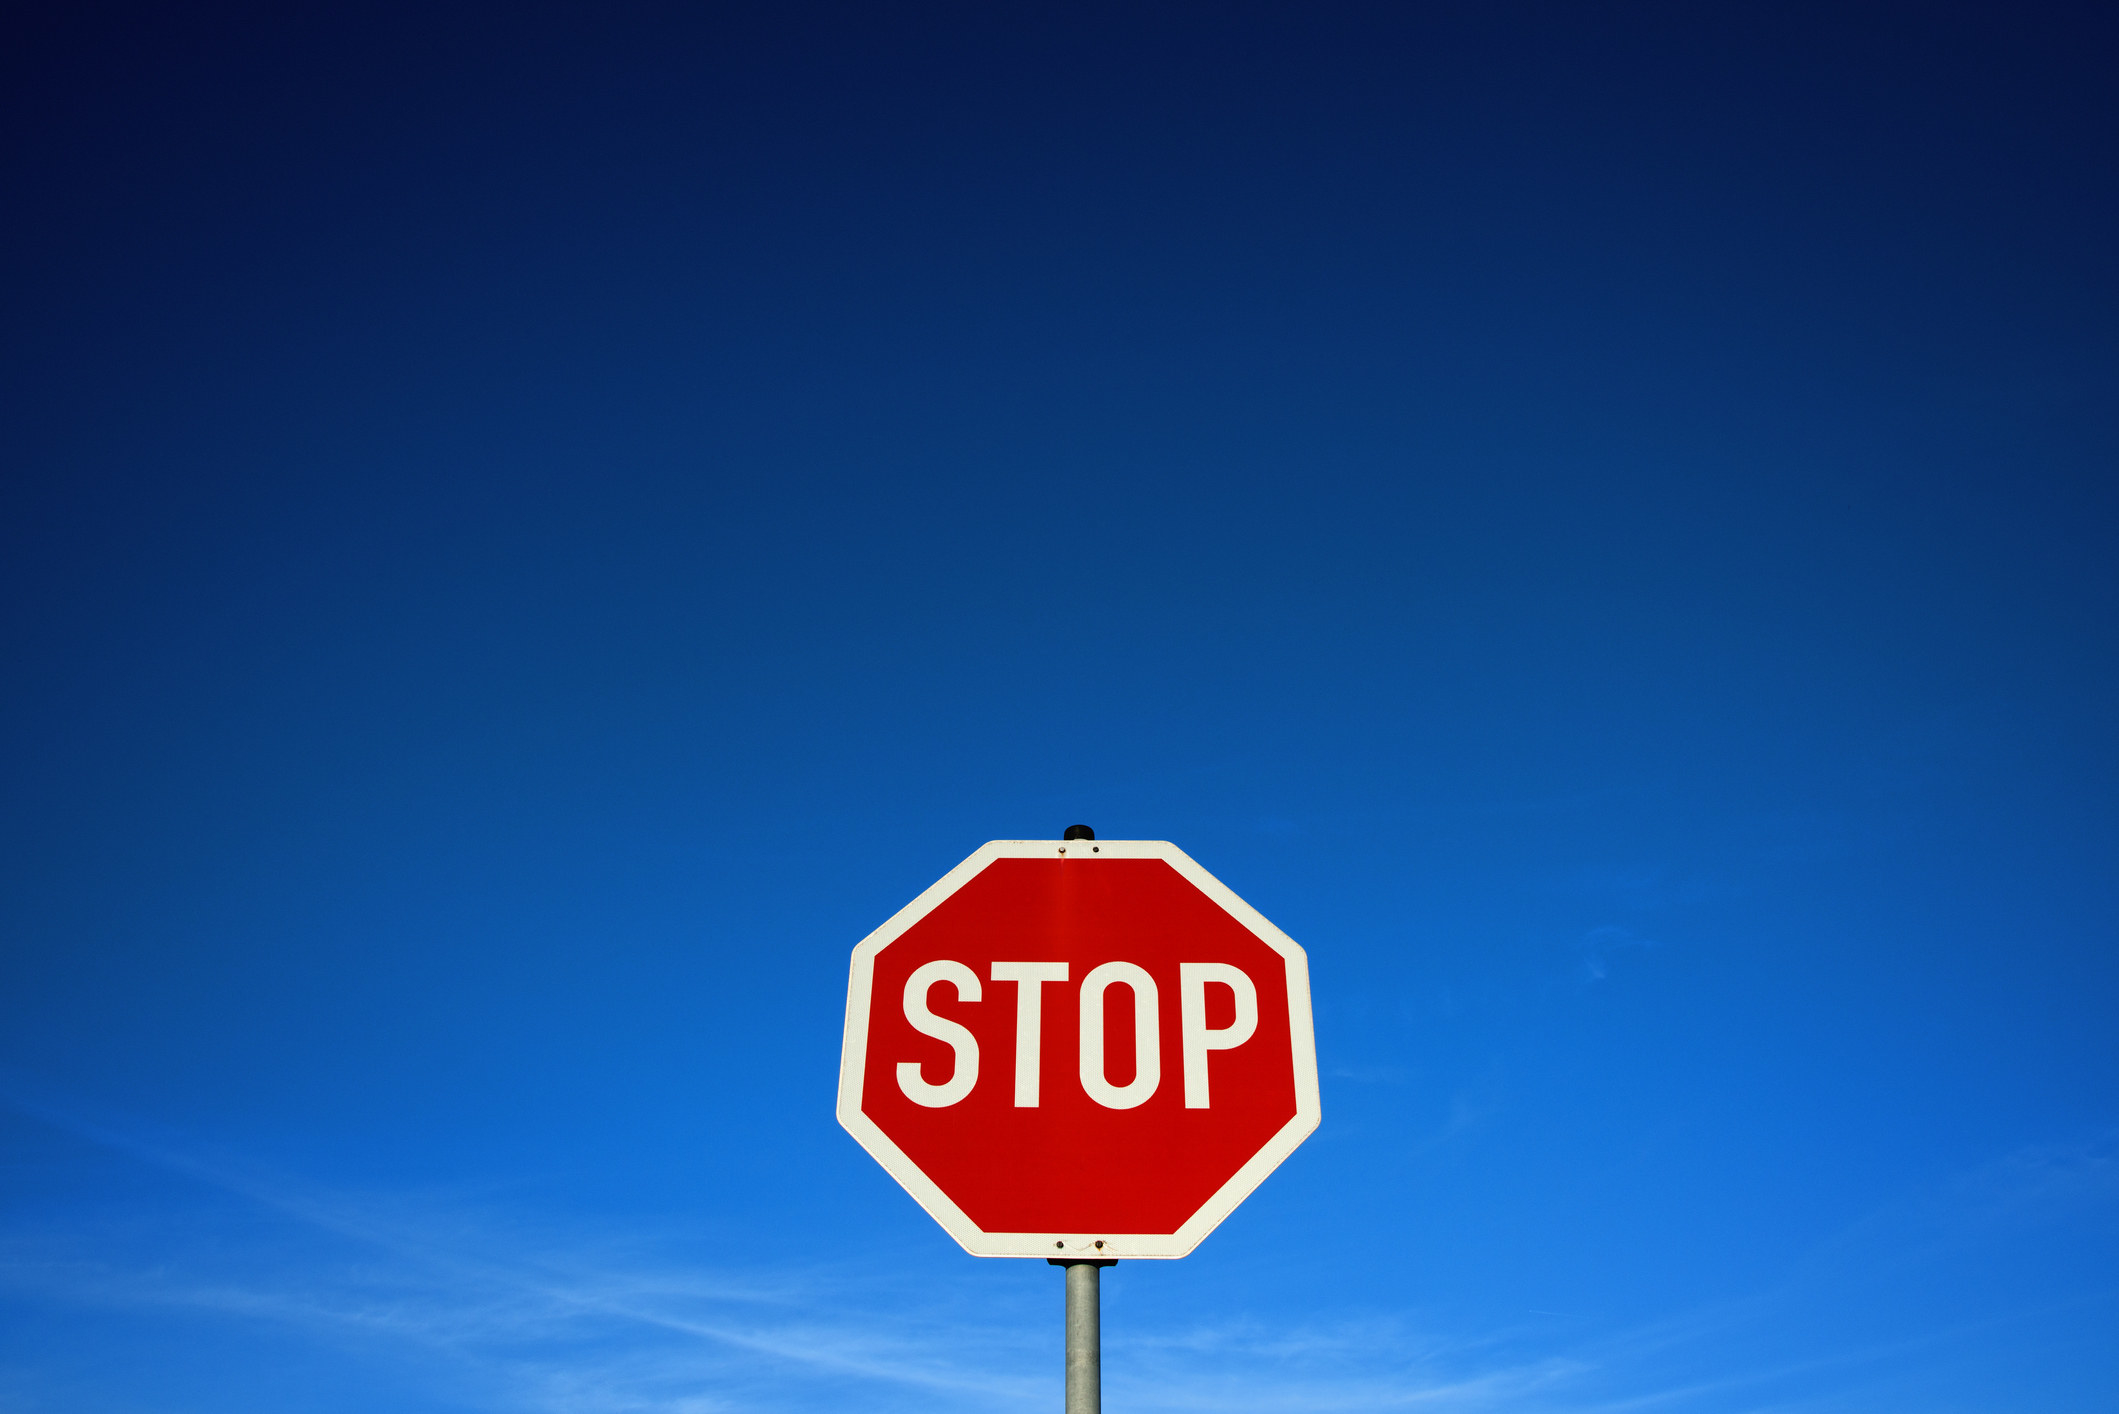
1078	1048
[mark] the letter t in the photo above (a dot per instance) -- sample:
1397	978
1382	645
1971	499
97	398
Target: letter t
1029	979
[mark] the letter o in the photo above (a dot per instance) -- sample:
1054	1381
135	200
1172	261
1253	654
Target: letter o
1147	1036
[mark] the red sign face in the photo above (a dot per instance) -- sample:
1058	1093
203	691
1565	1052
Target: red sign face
1079	1048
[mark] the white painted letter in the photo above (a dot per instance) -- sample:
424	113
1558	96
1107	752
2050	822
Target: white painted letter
1192	979
1029	979
1147	1037
927	1023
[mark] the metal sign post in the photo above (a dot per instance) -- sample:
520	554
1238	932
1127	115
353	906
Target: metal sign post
1085	1338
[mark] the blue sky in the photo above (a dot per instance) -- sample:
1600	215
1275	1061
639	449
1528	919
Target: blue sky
525	534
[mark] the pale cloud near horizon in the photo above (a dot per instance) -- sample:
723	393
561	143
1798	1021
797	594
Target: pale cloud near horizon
518	1323
493	1313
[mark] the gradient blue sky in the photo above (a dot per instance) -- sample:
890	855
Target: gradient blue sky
526	533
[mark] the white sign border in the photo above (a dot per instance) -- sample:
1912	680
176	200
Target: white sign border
853	1058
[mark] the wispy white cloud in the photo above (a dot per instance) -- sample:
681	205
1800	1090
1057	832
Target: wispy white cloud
1348	1365
515	1323
531	1322
508	1317
1596	948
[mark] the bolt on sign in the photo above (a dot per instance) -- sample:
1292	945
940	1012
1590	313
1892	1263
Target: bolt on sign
1079	1049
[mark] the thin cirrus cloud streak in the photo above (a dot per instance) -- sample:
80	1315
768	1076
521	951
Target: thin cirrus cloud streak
467	1289
511	1321
545	1329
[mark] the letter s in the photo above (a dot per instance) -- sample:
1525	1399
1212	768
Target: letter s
941	1028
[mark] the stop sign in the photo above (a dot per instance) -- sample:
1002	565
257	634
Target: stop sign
1078	1048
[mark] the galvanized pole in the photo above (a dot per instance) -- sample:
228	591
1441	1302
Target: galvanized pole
1085	1353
